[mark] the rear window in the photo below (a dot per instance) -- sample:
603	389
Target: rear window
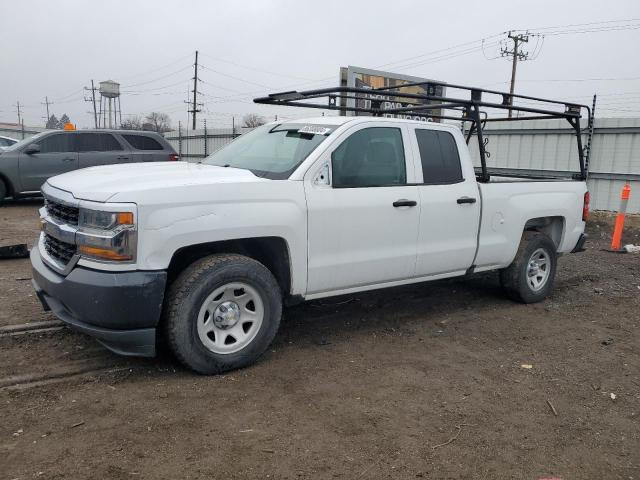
439	156
142	142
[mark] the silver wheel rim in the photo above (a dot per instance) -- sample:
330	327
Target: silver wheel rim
230	318
538	269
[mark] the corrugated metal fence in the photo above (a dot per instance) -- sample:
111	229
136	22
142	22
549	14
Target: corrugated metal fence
540	144
551	145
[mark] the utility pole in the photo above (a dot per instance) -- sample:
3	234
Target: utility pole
47	103
93	100
194	105
19	114
516	55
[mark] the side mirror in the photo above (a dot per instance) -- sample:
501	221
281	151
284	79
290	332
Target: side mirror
32	148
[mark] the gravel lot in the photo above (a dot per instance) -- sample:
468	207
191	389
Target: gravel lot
447	380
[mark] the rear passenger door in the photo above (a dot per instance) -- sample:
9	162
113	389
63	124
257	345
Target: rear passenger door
450	202
57	155
100	149
145	148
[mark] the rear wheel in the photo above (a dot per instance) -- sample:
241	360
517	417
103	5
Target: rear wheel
530	277
3	190
222	313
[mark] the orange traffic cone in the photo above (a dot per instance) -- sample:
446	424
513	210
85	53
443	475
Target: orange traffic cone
617	229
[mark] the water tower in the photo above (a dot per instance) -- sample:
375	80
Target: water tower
109	105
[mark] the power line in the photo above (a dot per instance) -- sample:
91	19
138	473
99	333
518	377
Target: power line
220	87
139	74
567	80
75	92
447	56
247	67
455	54
158	78
155	89
434	52
235	78
601	22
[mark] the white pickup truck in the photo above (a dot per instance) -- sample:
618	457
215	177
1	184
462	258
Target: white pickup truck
206	254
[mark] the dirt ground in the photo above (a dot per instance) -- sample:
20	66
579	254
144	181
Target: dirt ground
425	381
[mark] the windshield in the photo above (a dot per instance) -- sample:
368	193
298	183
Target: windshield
271	151
26	141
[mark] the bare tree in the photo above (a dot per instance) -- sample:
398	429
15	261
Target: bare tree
251	120
132	123
158	122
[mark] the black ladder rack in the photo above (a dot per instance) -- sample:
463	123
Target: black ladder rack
416	104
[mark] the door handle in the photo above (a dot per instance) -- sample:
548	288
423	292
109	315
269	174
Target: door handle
403	202
462	200
123	158
69	159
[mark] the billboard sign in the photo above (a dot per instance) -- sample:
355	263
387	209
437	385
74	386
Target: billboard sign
371	79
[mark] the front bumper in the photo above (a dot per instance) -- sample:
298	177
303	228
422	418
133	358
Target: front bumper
119	309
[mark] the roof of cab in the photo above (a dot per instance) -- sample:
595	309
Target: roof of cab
341	120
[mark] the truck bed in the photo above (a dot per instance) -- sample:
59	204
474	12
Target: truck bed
511	204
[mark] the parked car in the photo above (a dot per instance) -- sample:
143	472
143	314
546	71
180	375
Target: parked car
6	142
208	253
26	165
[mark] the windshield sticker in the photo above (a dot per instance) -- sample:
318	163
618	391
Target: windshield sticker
314	130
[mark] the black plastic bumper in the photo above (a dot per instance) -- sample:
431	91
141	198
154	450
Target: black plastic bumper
580	245
120	309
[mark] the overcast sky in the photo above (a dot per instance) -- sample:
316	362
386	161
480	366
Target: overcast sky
249	48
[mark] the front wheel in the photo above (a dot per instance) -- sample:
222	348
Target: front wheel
530	276
222	313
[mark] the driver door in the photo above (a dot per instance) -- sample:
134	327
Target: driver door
363	221
57	155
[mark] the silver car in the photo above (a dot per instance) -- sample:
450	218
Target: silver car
26	165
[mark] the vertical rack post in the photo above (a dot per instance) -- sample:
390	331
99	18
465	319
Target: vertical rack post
590	127
476	98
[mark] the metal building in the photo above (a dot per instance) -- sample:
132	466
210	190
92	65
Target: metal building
550	145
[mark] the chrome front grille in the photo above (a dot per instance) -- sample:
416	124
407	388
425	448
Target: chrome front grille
65	213
59	250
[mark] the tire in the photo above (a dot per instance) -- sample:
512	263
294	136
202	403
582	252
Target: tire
530	276
3	191
222	313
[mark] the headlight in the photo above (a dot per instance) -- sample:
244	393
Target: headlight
103	220
107	236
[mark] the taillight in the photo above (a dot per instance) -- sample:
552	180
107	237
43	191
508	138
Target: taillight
174	156
585	207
